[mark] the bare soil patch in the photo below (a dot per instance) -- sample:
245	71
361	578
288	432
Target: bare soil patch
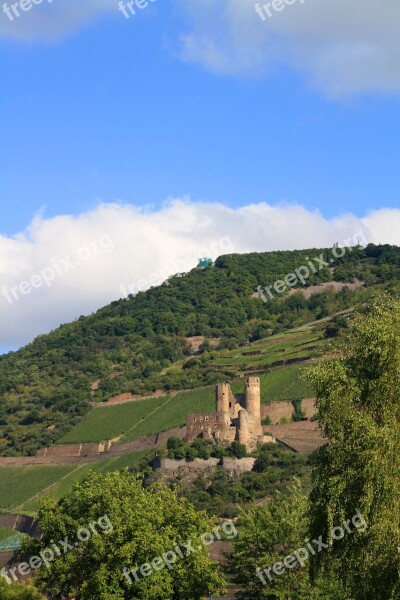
314	290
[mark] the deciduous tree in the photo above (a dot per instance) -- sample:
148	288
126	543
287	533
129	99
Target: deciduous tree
359	469
146	523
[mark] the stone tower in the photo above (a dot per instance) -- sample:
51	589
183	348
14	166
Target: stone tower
236	417
252	396
243	433
225	398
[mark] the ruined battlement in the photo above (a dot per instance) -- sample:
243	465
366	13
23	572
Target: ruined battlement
237	417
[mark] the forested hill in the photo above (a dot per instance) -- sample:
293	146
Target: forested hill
48	385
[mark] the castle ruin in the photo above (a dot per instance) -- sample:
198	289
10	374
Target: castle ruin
237	417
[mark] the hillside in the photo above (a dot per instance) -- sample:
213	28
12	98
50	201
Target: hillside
140	344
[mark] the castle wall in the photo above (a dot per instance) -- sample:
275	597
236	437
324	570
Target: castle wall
226	435
277	411
309	407
241	465
254	425
168	464
207	423
284	410
236	417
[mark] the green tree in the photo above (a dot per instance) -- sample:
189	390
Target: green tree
332	330
202	448
135	525
191	454
263	460
359	470
176	448
237	449
218	451
18	592
267	535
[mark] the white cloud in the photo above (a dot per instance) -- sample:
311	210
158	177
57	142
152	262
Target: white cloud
343	47
50	21
119	244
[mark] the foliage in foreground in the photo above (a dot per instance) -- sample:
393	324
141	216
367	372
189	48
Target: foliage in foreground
18	592
359	407
145	524
268	534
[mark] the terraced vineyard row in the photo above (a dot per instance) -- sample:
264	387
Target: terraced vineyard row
136	419
19	484
146	417
22	488
258	357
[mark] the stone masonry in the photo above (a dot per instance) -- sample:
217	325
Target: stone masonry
236	417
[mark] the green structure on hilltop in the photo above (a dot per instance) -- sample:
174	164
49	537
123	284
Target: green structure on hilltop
204	263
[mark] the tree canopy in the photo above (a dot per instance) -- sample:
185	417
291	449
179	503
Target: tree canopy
269	535
359	469
18	591
134	552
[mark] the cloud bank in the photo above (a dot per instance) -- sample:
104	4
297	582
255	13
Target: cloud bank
62	267
341	47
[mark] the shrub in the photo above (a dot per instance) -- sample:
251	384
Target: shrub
202	448
177	454
237	449
261	463
298	413
218	451
191	454
332	330
173	443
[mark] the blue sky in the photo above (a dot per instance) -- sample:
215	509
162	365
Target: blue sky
108	113
196	103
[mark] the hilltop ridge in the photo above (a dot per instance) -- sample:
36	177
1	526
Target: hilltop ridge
132	344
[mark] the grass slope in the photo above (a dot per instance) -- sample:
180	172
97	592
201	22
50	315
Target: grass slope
136	419
145	417
17	485
27	486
